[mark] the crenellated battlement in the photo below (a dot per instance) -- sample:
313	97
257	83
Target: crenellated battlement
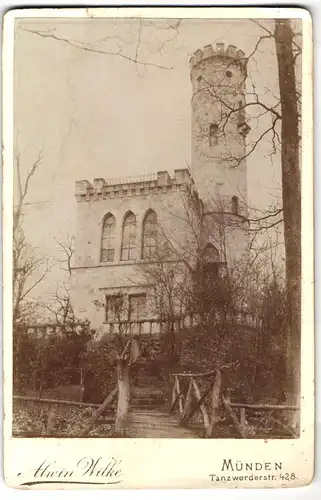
219	51
160	182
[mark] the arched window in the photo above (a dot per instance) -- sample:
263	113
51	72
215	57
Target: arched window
108	239
211	254
128	248
210	263
150	235
235	205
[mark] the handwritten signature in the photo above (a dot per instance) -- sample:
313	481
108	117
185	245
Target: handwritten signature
83	472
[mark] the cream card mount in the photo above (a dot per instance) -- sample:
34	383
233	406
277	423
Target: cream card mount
158	236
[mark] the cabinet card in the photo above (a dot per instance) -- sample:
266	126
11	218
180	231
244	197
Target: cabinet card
158	248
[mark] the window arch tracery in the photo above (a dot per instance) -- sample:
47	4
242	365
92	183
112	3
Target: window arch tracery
107	250
149	246
128	247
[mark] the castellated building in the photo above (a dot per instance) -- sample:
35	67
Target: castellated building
133	231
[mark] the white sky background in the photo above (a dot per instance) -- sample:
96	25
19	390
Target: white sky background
97	115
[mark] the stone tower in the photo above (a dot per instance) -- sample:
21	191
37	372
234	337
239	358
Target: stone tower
219	130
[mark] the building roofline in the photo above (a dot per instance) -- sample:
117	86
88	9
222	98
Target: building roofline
134	186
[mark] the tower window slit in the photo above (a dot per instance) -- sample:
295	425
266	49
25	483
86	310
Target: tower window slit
235	203
213	131
241	113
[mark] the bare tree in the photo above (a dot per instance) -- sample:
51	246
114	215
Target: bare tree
29	269
118	314
129	47
201	286
242	104
67	248
26	262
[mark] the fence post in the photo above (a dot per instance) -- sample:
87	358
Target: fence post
243	417
233	417
121	423
188	402
51	423
202	405
178	390
215	403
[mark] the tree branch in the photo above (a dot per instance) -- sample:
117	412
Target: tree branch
80	45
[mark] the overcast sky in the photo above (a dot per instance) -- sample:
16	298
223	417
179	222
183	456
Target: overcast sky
98	115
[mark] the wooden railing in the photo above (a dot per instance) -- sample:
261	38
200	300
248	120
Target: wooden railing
191	399
241	423
53	404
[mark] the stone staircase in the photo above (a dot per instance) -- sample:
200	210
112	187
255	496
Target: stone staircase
148	389
149	415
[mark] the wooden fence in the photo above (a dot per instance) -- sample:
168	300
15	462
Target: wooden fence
189	400
119	393
188	397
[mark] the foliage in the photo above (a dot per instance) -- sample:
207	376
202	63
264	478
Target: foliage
51	360
30	419
100	375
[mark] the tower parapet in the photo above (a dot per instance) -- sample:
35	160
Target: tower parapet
219	51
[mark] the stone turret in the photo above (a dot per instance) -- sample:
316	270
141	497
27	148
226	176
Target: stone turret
219	129
219	124
219	51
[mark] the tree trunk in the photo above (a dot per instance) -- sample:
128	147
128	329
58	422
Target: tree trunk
122	416
215	402
291	192
51	423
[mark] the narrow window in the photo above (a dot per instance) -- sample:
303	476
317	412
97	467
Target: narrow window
108	239
235	205
150	236
213	131
137	306
210	254
211	261
241	112
128	249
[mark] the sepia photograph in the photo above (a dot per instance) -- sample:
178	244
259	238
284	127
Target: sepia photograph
156	221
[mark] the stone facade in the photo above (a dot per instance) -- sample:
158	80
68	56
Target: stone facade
92	278
217	192
218	125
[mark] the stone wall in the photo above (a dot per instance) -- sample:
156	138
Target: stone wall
92	279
